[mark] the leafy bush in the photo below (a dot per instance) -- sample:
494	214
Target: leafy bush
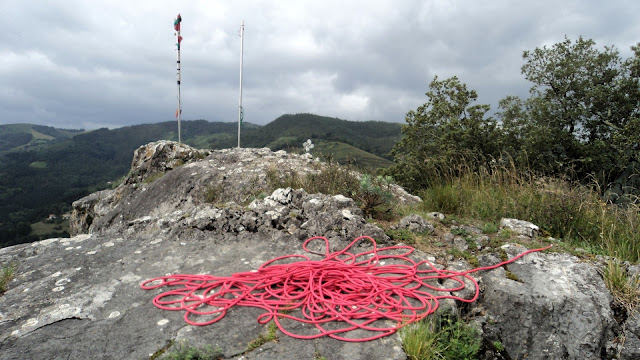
374	192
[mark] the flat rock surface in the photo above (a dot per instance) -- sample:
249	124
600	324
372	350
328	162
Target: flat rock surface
80	298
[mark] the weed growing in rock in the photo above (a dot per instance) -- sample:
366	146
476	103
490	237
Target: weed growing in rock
511	275
7	274
490	228
151	178
440	338
332	179
183	351
318	356
213	193
624	288
470	258
402	235
263	339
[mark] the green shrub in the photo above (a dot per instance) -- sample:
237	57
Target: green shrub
374	192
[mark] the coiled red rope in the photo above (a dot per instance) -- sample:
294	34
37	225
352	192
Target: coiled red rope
338	294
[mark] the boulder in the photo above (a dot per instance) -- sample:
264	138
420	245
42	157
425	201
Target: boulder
520	227
415	223
556	307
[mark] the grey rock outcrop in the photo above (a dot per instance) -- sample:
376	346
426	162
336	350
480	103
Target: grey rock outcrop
80	298
557	308
415	223
520	227
629	348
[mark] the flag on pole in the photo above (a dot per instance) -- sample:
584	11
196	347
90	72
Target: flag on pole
176	23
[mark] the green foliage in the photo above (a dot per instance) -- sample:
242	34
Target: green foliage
567	210
490	228
347	154
318	356
6	275
445	131
511	275
183	351
440	338
153	177
371	193
583	116
624	288
497	346
213	193
331	179
374	192
375	137
401	235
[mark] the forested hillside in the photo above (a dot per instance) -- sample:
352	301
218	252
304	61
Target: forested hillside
376	137
26	136
44	169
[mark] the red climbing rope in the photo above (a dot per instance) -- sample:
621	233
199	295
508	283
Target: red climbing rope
340	293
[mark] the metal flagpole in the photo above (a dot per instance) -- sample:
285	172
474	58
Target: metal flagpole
176	26
240	109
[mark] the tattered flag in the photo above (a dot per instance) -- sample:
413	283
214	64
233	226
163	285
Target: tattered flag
176	23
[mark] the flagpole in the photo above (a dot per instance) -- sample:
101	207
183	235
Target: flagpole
240	110
176	26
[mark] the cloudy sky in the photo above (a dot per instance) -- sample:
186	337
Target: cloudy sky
111	63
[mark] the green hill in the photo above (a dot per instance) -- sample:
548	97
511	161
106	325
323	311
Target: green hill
26	136
43	170
376	137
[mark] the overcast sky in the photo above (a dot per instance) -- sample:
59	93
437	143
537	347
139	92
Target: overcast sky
111	63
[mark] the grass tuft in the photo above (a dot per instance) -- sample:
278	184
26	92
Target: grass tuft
183	351
624	288
263	339
440	337
565	210
7	274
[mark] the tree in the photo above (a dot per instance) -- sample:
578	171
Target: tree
582	116
444	132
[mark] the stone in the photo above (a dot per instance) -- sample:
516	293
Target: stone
558	308
415	223
436	216
630	347
520	227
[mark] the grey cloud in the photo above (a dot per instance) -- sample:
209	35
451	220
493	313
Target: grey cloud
112	63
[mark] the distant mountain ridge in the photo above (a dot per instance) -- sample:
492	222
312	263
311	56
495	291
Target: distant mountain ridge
43	169
376	137
24	136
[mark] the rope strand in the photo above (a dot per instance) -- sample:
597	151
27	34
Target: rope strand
353	290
